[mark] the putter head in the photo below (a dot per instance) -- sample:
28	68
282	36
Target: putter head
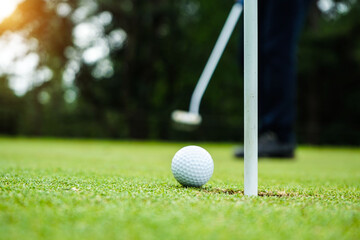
186	121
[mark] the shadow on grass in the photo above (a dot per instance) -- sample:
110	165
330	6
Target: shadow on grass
239	192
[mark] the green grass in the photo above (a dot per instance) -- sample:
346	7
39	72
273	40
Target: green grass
80	189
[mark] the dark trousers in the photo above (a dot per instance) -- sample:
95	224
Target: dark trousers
280	23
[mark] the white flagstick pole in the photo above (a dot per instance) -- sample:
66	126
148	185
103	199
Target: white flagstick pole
251	98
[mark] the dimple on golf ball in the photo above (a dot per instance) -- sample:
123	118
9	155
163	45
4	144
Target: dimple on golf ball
192	166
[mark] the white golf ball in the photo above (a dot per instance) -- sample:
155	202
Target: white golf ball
192	166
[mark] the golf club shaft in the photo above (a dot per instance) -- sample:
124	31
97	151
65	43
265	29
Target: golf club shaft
215	57
251	98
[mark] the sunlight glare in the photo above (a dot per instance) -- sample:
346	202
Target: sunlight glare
7	8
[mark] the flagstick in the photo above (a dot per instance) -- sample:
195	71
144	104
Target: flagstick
251	98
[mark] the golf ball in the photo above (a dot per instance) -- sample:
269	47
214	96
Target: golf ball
192	166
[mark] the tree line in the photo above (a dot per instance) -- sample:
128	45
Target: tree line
142	60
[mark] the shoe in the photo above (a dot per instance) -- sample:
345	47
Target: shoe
270	147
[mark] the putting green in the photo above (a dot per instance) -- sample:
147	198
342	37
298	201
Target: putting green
84	189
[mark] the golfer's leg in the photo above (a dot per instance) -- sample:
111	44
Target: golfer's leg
280	25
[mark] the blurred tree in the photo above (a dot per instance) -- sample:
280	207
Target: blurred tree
329	76
118	68
166	48
10	108
38	20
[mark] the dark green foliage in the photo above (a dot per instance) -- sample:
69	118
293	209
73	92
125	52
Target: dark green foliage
329	73
10	107
168	43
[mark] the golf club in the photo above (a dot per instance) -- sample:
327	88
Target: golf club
191	119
